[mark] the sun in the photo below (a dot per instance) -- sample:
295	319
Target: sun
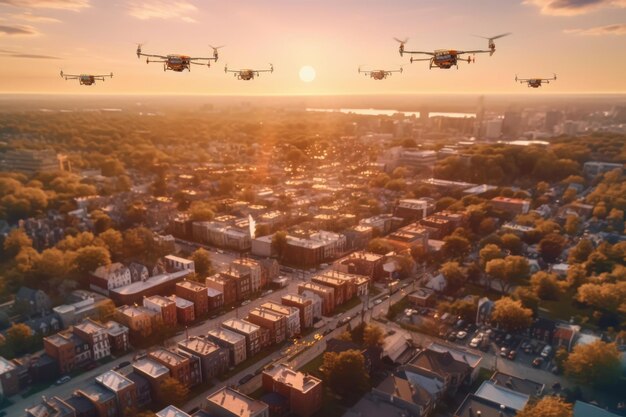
307	73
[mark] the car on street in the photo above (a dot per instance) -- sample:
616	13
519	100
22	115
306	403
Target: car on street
451	336
245	302
512	354
461	335
376	302
537	362
475	341
63	380
504	352
122	365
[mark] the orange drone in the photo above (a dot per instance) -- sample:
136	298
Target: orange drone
447	58
177	62
535	82
379	74
247	74
85	79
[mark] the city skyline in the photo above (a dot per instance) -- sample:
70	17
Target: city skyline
570	38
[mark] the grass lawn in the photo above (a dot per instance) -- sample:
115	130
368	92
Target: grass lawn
565	307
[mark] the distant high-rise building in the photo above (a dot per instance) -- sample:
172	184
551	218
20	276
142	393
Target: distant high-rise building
553	117
512	124
480	117
493	129
30	161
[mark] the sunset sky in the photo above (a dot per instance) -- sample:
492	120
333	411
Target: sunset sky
583	41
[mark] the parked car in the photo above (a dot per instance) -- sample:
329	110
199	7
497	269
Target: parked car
376	302
504	352
537	362
512	354
461	335
63	380
546	352
451	336
122	365
476	341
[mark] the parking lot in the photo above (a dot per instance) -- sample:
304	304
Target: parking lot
506	346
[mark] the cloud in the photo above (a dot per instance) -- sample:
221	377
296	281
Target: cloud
17	30
574	7
159	9
74	5
7	53
28	17
618	29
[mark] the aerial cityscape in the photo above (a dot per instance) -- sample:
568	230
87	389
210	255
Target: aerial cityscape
311	209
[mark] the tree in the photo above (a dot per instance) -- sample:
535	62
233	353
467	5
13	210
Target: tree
202	262
545	285
373	336
380	246
345	372
547	407
90	258
15	241
511	315
464	308
488	253
580	252
455	276
604	296
572	225
551	247
597	363
495	269
576	275
138	242
456	246
172	392
52	263
101	221
512	243
279	243
19	338
262	229
201	211
114	242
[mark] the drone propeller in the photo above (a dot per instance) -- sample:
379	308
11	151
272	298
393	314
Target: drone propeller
139	45
215	49
271	68
401	42
61	73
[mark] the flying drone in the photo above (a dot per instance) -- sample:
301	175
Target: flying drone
85	79
447	58
379	74
247	74
535	82
177	62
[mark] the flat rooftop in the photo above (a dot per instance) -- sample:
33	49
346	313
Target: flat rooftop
235	402
297	380
266	314
472	404
164	355
151	368
199	345
96	393
489	390
171	411
139	286
113	381
241	326
191	285
227	336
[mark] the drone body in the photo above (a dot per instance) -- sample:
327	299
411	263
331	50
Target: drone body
178	62
448	58
535	82
85	79
379	74
247	74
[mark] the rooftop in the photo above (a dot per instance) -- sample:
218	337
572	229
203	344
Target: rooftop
5	365
525	386
178	259
199	345
266	314
113	381
151	368
235	402
227	336
171	411
181	302
96	393
241	326
164	355
502	395
297	380
472	405
139	286
191	285
159	300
